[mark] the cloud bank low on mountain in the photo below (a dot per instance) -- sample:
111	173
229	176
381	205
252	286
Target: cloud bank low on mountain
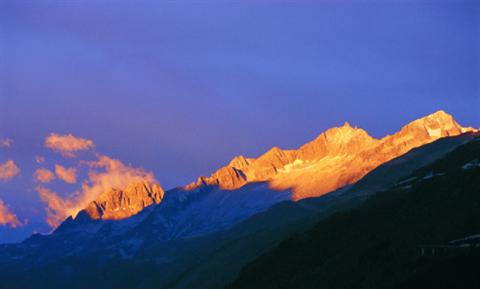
68	144
104	174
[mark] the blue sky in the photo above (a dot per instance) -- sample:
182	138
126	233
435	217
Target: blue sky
180	87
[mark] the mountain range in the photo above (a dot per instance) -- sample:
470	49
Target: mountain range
337	157
200	235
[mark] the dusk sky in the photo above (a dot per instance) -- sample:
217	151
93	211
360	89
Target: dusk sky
181	87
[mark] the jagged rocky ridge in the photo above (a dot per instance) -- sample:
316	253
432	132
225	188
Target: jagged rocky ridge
337	157
119	204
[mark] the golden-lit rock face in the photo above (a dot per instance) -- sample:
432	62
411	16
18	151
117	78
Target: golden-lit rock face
337	157
118	204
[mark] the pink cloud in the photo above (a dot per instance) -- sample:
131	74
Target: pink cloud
104	174
7	217
6	142
8	170
66	175
43	175
58	209
67	144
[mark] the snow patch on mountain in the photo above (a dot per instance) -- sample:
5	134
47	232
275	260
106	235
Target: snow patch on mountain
471	165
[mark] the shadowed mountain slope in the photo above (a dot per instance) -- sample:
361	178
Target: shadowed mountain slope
376	245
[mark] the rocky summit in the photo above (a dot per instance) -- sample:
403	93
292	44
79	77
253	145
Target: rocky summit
337	157
123	203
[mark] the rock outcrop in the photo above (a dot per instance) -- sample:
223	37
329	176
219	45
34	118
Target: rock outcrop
119	204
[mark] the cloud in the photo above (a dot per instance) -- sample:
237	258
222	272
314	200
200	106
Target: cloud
6	142
7	217
8	170
58	209
66	175
104	174
67	144
43	175
39	159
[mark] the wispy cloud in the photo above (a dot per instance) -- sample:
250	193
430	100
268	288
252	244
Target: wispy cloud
6	142
8	170
58	209
39	159
67	175
7	218
43	175
104	174
67	144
